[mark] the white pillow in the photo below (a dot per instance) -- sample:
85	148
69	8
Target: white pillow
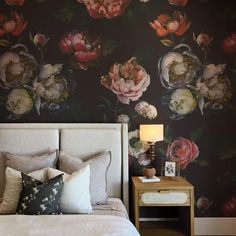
75	196
13	188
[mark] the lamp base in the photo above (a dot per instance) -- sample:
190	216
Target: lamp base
151	151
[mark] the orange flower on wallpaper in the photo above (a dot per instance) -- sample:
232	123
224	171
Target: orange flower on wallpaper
178	2
15	2
166	24
14	24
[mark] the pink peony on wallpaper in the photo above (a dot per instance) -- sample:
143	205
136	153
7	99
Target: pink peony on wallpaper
132	61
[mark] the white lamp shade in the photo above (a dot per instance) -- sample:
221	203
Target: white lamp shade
151	133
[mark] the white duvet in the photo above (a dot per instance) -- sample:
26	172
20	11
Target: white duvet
66	225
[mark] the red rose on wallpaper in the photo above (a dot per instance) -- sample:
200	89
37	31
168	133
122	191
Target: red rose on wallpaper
183	151
127	81
178	2
165	24
15	2
229	207
84	47
229	44
105	8
14	24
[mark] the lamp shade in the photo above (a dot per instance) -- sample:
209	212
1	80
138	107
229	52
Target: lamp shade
151	133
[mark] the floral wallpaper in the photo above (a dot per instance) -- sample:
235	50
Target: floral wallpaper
132	61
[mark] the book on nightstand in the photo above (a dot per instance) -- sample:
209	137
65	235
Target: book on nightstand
144	179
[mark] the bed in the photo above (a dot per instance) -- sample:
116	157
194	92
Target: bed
83	140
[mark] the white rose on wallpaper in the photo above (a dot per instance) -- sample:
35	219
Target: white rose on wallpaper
122	118
214	88
182	102
146	110
49	70
212	70
19	102
16	69
51	85
177	69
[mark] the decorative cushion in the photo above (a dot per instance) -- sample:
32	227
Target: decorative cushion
40	198
99	165
75	197
28	164
13	188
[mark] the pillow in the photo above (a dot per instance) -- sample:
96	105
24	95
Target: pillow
99	165
13	188
40	198
75	196
28	164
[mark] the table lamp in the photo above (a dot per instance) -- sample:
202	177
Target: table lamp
151	133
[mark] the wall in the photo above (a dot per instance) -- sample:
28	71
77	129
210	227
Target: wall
170	62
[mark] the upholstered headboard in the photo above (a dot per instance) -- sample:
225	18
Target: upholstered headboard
82	140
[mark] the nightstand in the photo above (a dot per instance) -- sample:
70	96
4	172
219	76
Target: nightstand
170	191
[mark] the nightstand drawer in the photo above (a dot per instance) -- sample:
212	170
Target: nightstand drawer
164	197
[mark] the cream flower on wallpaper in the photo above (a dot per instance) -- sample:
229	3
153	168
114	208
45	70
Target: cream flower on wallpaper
182	102
122	118
146	110
16	69
51	85
214	88
178	69
136	146
19	102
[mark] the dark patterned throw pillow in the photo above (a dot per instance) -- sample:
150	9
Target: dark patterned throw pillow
38	198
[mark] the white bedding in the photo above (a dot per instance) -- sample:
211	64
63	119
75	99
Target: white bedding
115	207
66	225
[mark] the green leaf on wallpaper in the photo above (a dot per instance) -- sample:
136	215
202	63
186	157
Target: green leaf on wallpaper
167	42
194	37
227	178
228	153
168	134
196	134
106	101
201	162
109	46
31	37
162	151
4	43
130	17
165	99
67	12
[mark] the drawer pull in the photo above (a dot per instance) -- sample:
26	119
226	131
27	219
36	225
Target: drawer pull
164	197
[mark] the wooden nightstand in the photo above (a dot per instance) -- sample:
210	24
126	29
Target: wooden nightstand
174	191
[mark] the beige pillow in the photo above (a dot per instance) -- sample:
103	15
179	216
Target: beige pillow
75	196
13	188
99	165
26	164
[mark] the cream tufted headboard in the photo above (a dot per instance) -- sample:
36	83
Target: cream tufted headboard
81	140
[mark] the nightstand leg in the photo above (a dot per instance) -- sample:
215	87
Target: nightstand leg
136	210
192	213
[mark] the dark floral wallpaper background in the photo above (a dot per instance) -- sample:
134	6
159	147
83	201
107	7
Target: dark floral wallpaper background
133	61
